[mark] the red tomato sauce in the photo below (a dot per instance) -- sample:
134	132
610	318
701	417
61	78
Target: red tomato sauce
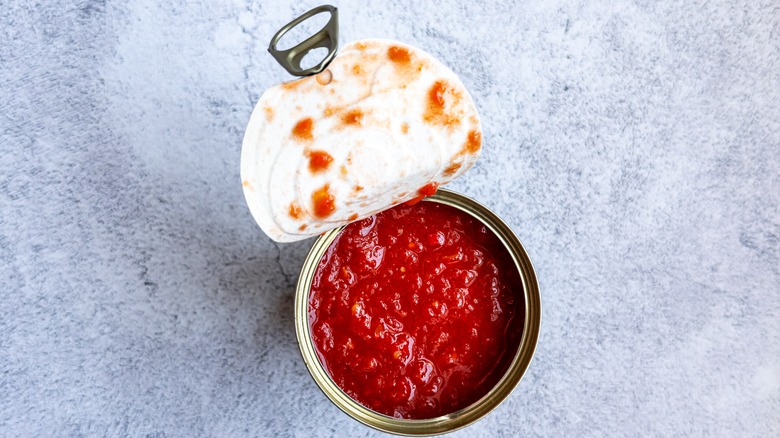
319	160
416	312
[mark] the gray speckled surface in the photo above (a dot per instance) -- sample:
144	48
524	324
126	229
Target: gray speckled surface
635	149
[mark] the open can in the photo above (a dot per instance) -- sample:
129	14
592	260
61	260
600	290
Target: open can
515	260
463	417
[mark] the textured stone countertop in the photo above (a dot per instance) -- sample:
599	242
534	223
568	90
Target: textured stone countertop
634	148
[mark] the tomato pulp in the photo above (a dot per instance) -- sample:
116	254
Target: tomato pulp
416	312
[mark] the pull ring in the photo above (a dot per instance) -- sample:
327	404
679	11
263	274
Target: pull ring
327	37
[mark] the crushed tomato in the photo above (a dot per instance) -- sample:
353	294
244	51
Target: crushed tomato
416	312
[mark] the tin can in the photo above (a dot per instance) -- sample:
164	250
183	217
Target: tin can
463	417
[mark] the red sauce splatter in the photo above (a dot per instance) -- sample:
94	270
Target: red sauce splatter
319	160
357	70
399	55
428	189
323	201
436	95
295	210
404	127
303	128
416	312
442	100
352	217
302	227
358	188
352	117
412	201
269	113
452	168
474	141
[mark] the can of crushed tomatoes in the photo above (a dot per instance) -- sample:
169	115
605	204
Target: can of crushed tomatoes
420	320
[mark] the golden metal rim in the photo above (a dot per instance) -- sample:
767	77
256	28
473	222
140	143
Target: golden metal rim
455	420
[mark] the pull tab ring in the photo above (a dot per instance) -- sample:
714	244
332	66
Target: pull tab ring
327	37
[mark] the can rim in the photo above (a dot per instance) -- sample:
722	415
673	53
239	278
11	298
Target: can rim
468	415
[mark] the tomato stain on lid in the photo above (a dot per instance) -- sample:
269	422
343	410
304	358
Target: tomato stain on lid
295	210
436	95
452	168
428	189
442	100
474	141
323	201
319	160
303	128
352	117
412	201
399	55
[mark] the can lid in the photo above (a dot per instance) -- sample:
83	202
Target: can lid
384	123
